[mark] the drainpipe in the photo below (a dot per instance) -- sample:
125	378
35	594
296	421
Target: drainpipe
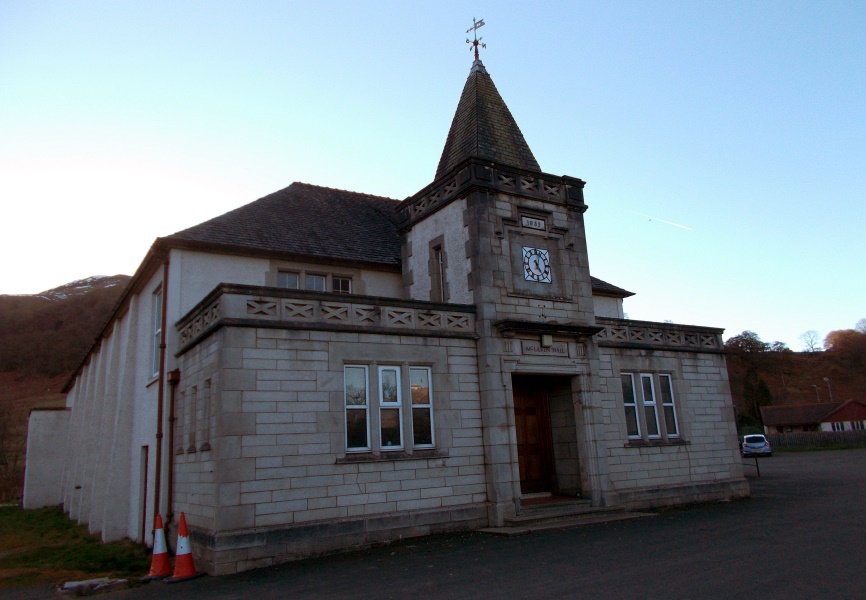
161	392
173	380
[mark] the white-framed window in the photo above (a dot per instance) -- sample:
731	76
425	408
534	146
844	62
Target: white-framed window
390	409
642	394
650	406
858	425
422	407
629	400
156	311
341	285
314	283
289	279
356	390
397	409
666	391
838	426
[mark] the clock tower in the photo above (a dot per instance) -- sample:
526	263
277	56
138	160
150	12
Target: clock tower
495	231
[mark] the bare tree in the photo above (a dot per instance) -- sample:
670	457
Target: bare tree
810	339
860	326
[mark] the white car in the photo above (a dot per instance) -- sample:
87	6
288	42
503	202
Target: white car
756	445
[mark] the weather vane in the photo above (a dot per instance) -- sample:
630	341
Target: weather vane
476	25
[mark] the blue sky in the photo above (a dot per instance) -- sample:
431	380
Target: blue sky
723	143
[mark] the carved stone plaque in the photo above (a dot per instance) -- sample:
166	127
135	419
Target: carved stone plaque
532	223
533	348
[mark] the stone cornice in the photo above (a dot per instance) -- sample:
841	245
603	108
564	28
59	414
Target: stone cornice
474	174
650	335
278	308
510	327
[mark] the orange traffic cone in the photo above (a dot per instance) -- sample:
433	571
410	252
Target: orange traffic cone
160	567
184	568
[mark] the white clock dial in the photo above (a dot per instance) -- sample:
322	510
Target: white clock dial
536	265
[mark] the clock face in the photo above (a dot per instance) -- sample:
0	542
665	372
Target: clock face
536	265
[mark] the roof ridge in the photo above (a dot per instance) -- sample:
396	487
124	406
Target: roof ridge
333	189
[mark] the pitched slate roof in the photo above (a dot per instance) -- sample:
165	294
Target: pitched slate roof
483	127
319	222
307	220
608	289
797	414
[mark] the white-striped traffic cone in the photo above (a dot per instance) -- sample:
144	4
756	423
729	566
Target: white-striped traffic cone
160	568
184	568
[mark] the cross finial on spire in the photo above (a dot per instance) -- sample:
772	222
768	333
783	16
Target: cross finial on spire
476	25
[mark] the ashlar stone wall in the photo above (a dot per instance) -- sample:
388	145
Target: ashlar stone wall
702	463
277	482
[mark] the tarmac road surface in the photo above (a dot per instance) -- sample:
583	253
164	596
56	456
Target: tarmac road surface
801	535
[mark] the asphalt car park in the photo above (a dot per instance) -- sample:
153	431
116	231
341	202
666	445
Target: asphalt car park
802	534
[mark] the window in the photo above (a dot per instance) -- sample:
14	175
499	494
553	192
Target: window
341	285
838	426
858	425
388	400
189	419
628	399
203	415
670	413
390	408
422	407
287	279
314	283
437	265
157	330
438	275
357	425
649	405
651	391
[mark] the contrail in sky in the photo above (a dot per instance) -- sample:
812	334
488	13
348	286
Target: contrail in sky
650	217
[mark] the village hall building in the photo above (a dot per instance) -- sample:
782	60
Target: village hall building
323	369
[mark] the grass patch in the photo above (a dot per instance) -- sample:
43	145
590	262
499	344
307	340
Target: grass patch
44	547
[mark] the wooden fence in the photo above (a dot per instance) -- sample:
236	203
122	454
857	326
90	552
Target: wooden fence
817	439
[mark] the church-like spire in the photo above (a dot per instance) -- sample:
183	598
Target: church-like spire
484	128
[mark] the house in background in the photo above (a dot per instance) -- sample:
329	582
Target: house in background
826	416
323	369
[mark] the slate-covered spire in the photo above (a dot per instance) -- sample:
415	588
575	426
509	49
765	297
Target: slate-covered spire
484	128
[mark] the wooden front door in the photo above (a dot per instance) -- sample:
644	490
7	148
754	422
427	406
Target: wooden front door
534	448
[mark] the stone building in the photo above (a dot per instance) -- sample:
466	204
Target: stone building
322	369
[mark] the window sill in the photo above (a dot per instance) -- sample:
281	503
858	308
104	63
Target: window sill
656	443
390	456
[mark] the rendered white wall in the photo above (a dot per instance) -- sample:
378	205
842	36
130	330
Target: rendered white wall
46	449
197	273
605	306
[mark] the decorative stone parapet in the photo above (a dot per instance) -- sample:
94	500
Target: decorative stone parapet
251	306
477	174
625	333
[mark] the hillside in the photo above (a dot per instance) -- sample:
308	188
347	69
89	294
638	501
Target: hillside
759	376
43	338
47	334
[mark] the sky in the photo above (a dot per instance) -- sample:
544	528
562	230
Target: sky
723	143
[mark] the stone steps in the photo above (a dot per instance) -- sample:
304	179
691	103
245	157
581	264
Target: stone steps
555	516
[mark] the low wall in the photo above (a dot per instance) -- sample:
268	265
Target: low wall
47	430
816	439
